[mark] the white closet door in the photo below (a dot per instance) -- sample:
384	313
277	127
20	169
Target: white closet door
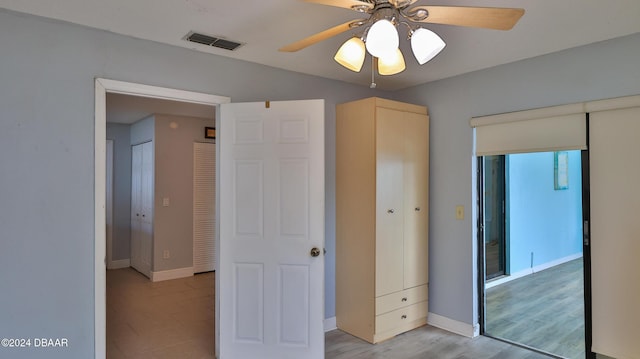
614	150
142	207
204	186
146	241
136	209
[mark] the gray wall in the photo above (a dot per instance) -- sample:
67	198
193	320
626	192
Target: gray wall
598	71
47	77
143	131
173	225
120	134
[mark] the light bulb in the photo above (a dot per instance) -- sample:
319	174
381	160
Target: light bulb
426	44
351	54
382	39
391	65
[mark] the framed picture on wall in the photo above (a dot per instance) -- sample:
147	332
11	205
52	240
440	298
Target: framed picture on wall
560	170
210	132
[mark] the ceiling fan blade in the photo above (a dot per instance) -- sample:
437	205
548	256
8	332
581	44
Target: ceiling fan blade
484	17
402	3
308	41
347	4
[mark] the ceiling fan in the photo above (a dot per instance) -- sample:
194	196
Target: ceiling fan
379	33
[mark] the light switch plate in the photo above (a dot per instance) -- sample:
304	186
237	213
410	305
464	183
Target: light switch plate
459	213
165	202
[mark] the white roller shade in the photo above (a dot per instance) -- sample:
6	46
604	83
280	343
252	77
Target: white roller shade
542	130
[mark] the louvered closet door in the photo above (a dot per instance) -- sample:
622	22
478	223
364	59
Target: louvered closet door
204	174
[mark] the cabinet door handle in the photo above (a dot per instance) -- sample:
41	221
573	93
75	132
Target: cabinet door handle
390	211
404	299
403	317
417	209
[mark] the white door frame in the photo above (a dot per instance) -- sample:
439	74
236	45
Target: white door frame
102	87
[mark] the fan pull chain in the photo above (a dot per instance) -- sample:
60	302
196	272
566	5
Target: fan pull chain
373	68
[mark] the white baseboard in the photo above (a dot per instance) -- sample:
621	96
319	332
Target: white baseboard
120	263
450	325
330	324
528	271
171	274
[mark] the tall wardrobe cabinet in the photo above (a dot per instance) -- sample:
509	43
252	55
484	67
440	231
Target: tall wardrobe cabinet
382	212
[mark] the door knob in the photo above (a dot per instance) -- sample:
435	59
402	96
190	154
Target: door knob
315	252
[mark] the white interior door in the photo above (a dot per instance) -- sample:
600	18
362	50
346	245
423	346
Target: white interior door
271	216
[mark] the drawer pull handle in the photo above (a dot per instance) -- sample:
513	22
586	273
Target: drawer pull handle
404	299
404	316
417	209
390	211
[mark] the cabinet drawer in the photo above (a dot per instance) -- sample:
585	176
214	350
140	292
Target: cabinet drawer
403	298
398	317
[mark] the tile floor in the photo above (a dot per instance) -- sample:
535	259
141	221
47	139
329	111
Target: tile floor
169	319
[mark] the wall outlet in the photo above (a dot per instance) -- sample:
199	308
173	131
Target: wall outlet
166	254
459	213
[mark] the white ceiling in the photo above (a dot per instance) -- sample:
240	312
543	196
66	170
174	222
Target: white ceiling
264	26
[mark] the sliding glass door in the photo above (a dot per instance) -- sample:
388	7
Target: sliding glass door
494	221
531	255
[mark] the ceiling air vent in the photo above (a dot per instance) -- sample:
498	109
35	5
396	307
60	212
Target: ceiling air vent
212	41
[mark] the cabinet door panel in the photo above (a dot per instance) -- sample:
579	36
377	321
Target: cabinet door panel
416	200
389	192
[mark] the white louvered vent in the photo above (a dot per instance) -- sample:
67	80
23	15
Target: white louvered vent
212	41
204	204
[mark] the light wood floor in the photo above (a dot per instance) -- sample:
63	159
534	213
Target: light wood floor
544	310
426	342
174	319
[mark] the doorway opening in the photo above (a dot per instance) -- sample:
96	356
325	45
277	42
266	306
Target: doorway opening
164	204
104	86
531	257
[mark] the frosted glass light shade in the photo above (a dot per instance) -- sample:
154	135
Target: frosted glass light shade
391	65
426	44
382	39
351	54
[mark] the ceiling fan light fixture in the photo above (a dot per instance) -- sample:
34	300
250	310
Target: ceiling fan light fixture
382	38
391	65
425	45
351	54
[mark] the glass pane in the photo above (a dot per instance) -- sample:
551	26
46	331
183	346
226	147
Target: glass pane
538	298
